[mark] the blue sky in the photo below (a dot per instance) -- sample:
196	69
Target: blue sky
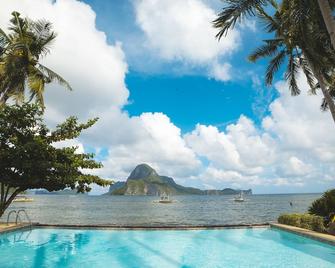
186	96
169	94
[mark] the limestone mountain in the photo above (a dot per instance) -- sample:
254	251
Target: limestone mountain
144	180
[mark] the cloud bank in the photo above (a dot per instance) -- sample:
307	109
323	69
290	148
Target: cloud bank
293	149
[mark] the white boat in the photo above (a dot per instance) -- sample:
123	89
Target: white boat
21	198
164	199
239	198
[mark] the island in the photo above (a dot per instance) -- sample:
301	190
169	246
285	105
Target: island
144	180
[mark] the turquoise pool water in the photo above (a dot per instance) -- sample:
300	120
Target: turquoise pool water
259	247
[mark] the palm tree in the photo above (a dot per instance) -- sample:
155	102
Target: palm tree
237	9
20	52
300	38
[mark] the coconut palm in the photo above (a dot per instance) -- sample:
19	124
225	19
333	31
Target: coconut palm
235	10
20	53
300	37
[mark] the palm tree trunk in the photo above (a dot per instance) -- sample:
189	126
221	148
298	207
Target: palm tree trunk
325	92
320	78
328	19
328	97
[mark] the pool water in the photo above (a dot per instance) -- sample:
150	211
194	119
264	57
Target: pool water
257	247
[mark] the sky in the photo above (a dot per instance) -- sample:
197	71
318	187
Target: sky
169	94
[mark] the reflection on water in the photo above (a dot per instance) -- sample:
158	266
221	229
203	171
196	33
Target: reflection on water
231	248
142	210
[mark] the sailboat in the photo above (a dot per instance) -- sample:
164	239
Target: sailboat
239	198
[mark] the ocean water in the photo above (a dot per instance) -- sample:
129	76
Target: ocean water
143	210
229	248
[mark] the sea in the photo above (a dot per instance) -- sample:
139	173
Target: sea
145	210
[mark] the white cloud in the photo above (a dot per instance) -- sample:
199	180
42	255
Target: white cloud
294	147
96	70
159	144
71	143
240	148
181	30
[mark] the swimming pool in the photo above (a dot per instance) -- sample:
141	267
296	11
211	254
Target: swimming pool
248	247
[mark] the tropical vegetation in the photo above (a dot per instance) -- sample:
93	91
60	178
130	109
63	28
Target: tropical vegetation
306	221
21	50
29	155
302	37
320	217
324	206
30	159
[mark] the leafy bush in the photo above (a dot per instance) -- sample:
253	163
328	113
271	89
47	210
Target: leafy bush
306	221
324	206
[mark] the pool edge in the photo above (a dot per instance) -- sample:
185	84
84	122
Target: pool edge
150	227
321	237
21	226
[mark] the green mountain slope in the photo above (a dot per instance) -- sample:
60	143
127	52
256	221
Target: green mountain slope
144	180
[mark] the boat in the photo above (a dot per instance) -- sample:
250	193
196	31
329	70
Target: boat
239	198
164	199
21	198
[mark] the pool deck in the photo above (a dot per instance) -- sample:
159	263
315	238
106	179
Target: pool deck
4	228
325	238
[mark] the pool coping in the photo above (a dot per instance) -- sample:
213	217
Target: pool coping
131	227
321	237
150	227
17	227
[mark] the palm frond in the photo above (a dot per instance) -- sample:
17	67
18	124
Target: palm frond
54	76
5	37
267	50
43	36
270	23
291	75
36	84
274	66
309	75
233	12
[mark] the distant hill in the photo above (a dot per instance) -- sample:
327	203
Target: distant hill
227	191
62	192
144	180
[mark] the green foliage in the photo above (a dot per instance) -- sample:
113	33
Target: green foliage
235	11
21	50
324	206
29	158
306	221
299	38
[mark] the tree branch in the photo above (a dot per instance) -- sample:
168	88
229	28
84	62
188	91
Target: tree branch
7	191
2	193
